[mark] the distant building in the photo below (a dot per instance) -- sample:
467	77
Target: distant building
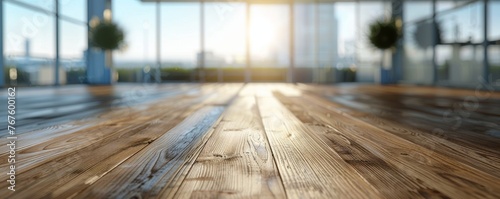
307	34
39	71
316	40
328	36
27	48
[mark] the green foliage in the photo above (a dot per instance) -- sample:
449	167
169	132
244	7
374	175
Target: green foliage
107	36
383	34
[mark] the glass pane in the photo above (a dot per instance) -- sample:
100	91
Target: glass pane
269	35
493	18
73	43
139	55
447	5
44	4
76	9
460	65
305	32
346	65
305	40
494	56
180	41
417	10
327	54
462	25
29	46
369	59
418	66
494	37
460	52
225	41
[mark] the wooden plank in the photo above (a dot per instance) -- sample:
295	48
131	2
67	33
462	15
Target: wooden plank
479	155
223	94
236	161
308	167
448	176
113	115
438	141
125	132
150	170
119	121
305	147
45	111
387	179
69	167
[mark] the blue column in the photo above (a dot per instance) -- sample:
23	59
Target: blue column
486	61
435	36
57	61
398	56
2	81
97	72
396	72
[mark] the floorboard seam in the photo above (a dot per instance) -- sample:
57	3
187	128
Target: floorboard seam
270	148
216	123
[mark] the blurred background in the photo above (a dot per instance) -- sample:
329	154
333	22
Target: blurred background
45	42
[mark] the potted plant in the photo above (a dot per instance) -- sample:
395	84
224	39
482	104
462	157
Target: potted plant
383	35
107	36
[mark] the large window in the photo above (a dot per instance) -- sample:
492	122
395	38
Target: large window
494	37
180	31
74	9
418	43
73	41
73	44
269	35
29	46
48	5
180	41
460	52
225	41
305	34
137	61
370	59
30	42
347	32
327	46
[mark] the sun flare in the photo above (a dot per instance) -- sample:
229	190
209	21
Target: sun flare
264	32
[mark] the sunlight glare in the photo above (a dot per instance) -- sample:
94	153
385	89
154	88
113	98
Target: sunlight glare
264	32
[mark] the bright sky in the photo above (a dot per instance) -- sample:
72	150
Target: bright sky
224	27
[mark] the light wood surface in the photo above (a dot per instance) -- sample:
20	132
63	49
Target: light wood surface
255	141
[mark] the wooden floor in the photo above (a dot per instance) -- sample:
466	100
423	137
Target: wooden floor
255	141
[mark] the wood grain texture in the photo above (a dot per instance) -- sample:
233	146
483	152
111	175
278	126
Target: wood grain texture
448	176
45	108
463	142
105	128
73	172
387	179
308	168
258	140
149	171
237	161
